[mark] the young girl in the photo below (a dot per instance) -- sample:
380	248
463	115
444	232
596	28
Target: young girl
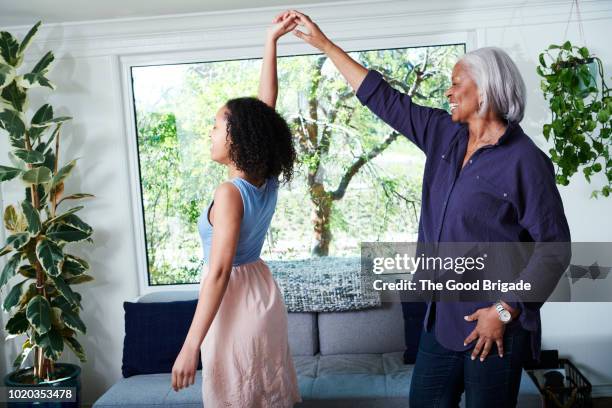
240	322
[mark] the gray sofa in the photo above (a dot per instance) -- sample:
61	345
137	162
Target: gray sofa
343	359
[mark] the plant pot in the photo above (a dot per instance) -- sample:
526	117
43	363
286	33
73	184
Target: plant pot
593	70
590	62
68	375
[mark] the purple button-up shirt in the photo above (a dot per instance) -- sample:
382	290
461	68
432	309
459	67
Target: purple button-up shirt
505	193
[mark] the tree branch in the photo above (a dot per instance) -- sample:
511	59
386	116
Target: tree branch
359	163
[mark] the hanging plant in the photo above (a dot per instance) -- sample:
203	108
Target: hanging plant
581	106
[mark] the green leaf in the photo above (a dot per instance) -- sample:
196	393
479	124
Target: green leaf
13	296
52	343
11	219
7	249
72	320
75	222
51	256
18	240
63	173
28	295
11	121
28	271
35	79
76	197
603	116
43	65
596	167
541	58
49	159
18	323
10	268
29	156
7	74
8	48
16	141
59	119
66	233
25	351
60	217
38	313
15	95
38	175
32	216
76	347
8	173
28	39
74	265
40	189
43	114
567	46
75	280
66	291
62	303
584	52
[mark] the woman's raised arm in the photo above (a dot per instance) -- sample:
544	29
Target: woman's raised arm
350	69
424	126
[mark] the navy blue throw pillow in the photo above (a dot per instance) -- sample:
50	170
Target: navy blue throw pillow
414	314
154	335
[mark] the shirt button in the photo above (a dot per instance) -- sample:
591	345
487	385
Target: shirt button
442	156
470	160
477	177
505	194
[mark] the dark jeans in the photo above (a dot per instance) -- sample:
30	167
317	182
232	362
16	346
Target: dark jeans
440	375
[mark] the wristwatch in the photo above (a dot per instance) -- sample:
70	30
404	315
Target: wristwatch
504	315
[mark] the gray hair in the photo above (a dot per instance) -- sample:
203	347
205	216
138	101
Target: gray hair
499	81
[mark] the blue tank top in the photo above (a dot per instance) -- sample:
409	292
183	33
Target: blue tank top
259	204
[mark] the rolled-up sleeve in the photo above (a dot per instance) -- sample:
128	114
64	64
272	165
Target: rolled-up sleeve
420	124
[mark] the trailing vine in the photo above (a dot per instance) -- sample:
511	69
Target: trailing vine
581	107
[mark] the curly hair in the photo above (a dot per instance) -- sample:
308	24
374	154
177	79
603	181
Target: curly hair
261	144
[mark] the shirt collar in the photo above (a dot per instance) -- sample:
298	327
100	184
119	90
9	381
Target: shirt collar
511	129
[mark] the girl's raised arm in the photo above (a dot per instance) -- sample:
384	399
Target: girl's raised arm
268	82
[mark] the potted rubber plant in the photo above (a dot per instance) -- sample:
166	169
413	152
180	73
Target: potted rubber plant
581	105
42	303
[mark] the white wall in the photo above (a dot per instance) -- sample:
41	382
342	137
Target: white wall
88	76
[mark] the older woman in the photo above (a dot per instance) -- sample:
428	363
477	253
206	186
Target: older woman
484	181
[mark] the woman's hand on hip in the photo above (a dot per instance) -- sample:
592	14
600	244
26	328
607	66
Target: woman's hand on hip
184	368
489	329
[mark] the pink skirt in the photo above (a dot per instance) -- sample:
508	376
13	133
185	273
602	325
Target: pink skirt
246	361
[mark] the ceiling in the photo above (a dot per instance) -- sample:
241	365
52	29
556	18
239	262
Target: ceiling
26	12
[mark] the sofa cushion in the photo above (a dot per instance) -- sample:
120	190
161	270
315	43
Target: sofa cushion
325	381
154	335
364	331
303	334
151	390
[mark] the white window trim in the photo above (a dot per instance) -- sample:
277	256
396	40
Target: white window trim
353	41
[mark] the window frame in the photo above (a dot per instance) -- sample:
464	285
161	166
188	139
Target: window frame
354	41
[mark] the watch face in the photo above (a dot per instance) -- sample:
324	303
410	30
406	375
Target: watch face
505	316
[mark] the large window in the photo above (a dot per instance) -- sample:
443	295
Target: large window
356	179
